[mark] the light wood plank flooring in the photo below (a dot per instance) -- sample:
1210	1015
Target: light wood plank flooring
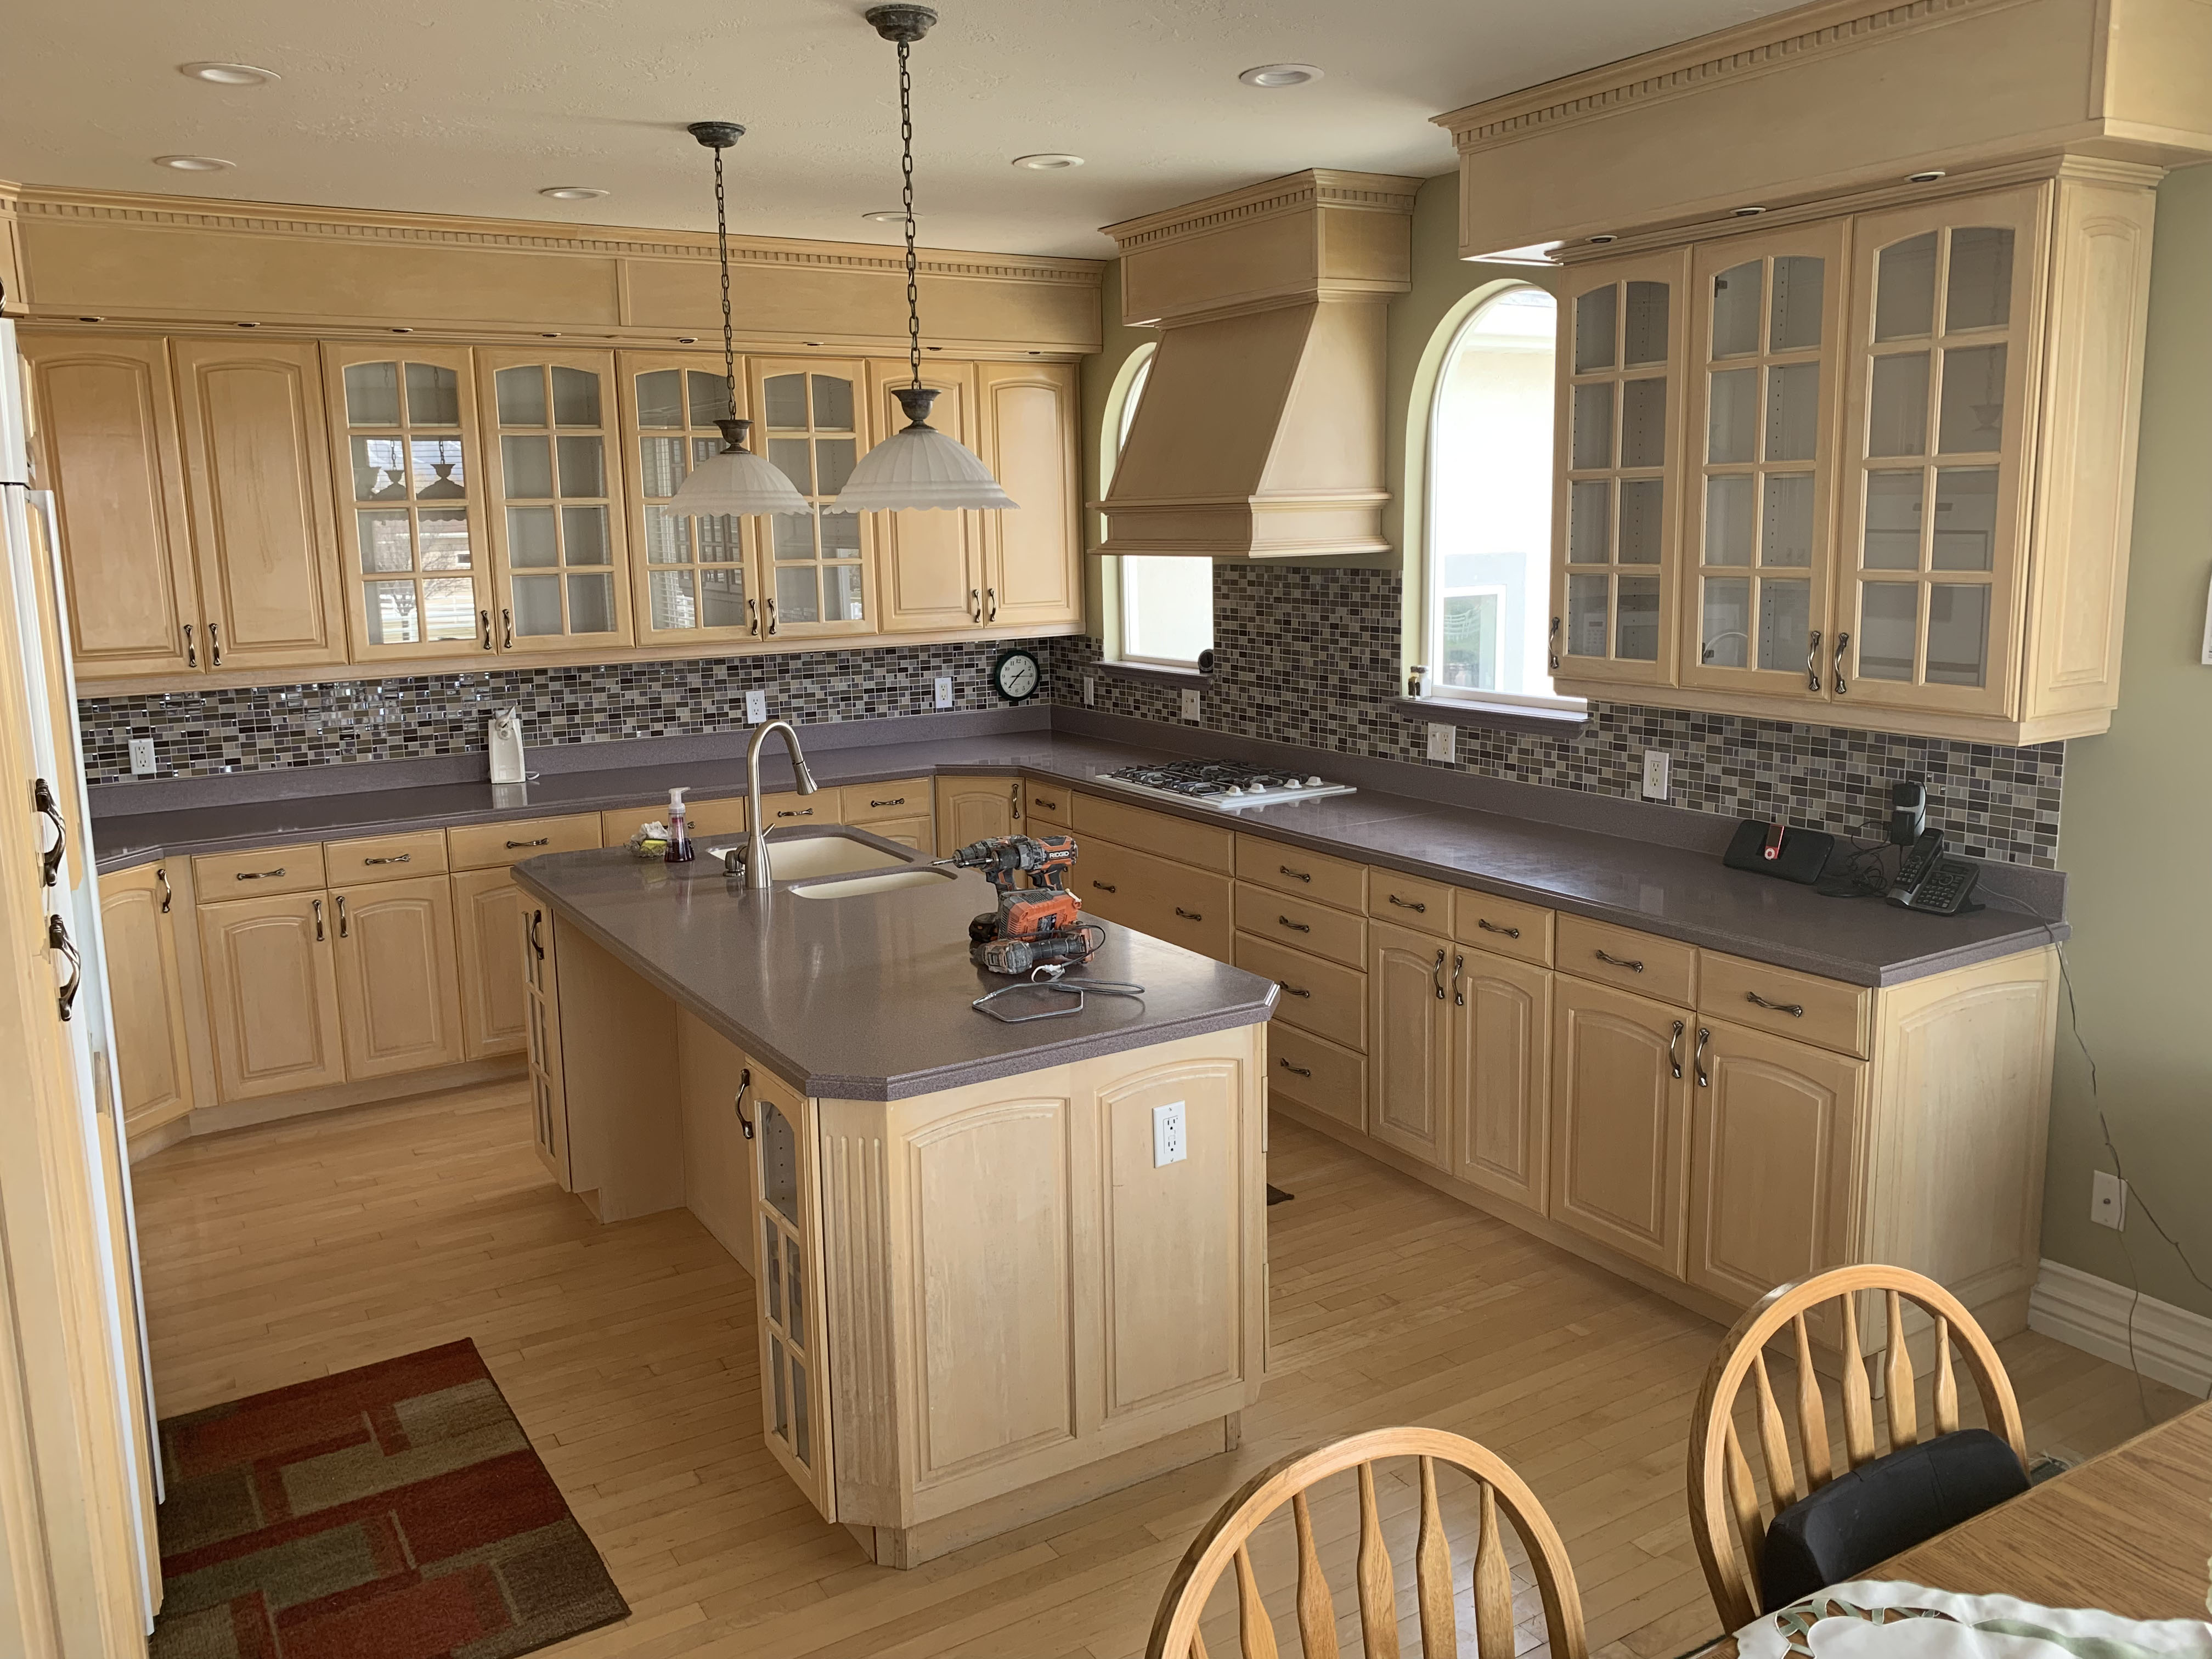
294	1250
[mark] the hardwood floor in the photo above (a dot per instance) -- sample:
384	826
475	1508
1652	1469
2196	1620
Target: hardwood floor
294	1249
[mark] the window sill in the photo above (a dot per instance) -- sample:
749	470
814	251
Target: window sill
1149	673
1495	717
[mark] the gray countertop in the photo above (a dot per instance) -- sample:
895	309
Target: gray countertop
1680	892
866	998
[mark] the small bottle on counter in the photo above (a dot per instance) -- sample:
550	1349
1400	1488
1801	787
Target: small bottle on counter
679	833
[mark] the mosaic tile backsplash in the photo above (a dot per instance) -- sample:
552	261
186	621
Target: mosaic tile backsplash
1306	656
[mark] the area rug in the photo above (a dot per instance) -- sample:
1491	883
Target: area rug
395	1511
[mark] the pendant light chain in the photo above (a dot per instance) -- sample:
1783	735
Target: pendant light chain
722	251
906	198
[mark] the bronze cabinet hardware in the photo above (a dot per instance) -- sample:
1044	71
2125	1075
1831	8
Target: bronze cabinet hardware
57	939
1675	1050
1295	875
1105	886
744	1088
536	945
259	875
507	630
991	599
1048	804
1795	1010
1705	1077
1813	663
752	617
191	651
397	858
1437	974
1459	991
540	841
46	806
975	606
1303	1071
1490	927
770	604
214	645
1843	685
345	923
895	800
1555	645
1289	989
1420	905
319	921
1295	927
794	811
1014	799
169	897
1619	962
1189	916
483	621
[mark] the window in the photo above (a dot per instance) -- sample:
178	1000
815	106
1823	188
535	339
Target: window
1165	614
1488	523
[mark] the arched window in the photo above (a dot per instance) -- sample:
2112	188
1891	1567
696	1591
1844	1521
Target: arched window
1487	520
1165	616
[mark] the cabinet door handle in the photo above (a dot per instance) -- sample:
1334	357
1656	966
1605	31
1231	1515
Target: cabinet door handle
975	606
259	875
1675	1050
1437	976
214	645
1014	801
770	604
1295	875
540	841
1303	1071
1705	1077
483	621
44	804
1620	961
1458	992
1813	663
345	925
1843	644
507	630
57	939
794	811
895	800
1291	990
1490	927
1105	886
319	921
752	617
169	897
1795	1010
991	599
397	858
1419	905
1555	645
744	1088
536	945
1295	927
1189	916
191	651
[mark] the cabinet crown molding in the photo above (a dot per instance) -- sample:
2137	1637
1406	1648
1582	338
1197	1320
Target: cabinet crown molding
1294	193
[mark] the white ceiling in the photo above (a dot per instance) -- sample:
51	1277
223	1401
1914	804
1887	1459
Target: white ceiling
471	106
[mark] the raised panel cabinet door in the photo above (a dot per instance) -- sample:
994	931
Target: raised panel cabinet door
788	1290
272	994
1774	1176
494	1005
145	998
1619	1120
398	991
695	580
106	445
258	465
1501	1069
929	562
971	809
1028	419
1409	1043
714	1083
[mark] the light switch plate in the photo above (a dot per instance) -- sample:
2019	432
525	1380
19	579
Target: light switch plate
944	691
141	757
1090	692
1443	742
1168	1145
2108	1199
755	708
1190	705
1655	774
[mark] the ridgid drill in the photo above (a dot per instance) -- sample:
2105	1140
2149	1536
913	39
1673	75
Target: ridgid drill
1033	926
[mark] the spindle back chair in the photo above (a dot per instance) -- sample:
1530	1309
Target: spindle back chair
1221	1546
1727	1519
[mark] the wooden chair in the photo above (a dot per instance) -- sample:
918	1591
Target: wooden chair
1726	1517
1221	1543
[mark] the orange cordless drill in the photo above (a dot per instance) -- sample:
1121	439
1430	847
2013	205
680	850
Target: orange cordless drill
1034	926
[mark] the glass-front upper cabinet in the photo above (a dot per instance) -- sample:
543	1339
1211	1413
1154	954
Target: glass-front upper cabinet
1763	346
694	579
811	420
1619	418
411	520
553	458
1943	351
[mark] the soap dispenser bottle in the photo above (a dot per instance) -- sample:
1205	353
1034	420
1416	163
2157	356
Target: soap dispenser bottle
679	833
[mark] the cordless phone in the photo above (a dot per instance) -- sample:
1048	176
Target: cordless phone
1929	883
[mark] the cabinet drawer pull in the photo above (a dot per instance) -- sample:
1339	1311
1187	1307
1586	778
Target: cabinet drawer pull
1555	644
214	645
1047	802
1105	886
259	875
346	924
1420	905
397	858
1675	1050
540	841
744	1088
1295	875
794	811
753	614
507	630
1795	1010
1813	663
1490	927
191	651
770	604
1189	916
991	600
1620	961
1295	927
1843	685
1459	993
46	806
1291	990
169	897
1437	976
1705	1077
483	621
895	800
57	939
976	606
1302	1071
319	921
536	945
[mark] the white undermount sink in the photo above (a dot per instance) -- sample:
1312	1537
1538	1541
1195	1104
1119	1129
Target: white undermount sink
852	886
834	854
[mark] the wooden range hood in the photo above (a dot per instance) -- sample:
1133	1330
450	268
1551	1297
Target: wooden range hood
1260	433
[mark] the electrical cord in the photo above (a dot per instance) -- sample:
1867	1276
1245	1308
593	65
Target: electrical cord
1860	874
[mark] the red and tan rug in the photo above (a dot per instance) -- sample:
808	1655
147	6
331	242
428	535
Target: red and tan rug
395	1511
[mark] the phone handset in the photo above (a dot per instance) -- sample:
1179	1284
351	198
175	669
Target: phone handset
1928	882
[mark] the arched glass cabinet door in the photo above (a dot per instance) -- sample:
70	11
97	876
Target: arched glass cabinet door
811	419
696	579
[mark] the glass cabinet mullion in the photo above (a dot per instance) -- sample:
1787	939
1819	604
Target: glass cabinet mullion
559	475
696	579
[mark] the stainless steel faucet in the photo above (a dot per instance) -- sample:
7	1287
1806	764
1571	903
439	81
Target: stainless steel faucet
757	870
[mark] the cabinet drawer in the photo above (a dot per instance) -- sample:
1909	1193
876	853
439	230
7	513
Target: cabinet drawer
1156	895
794	809
219	876
702	818
1300	921
1791	1005
1293	869
385	857
873	802
1325	998
1210	846
1409	901
1047	803
618	825
1504	926
1656	968
496	846
1320	1075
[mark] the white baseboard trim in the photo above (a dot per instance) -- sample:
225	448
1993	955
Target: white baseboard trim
2171	1344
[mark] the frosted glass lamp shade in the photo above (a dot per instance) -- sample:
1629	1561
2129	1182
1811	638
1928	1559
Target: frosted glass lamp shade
919	466
735	480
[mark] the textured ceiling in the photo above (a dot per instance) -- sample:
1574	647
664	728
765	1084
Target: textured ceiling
471	106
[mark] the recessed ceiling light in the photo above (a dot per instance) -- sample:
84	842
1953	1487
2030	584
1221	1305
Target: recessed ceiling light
230	75
193	163
572	193
1048	161
890	217
1271	75
1745	212
1927	178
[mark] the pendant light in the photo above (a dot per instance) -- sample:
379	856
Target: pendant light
918	466
733	480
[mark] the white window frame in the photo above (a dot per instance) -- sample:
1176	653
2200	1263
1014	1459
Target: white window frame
1129	383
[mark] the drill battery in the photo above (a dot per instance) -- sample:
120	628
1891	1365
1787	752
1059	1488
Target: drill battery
1033	926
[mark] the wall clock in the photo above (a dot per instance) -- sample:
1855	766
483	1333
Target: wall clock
1016	676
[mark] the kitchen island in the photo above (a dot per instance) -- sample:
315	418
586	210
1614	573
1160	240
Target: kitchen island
981	1295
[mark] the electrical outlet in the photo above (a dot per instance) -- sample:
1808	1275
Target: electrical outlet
1443	743
1655	774
1168	1145
944	691
1090	692
1190	705
141	757
755	708
2108	1199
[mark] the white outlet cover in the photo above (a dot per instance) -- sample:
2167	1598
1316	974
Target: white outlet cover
944	691
1190	706
755	708
1655	773
141	756
1443	742
1170	1142
1090	692
2108	1199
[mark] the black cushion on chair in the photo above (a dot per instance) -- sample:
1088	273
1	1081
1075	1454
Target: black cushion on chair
1869	1514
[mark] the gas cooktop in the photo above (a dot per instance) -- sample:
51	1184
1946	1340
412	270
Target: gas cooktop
1225	785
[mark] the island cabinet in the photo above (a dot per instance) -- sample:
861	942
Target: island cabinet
488	908
145	997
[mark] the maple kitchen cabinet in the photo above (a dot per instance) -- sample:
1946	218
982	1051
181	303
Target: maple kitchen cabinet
695	580
145	997
971	809
399	1004
1620	1120
1028	416
272	994
931	559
